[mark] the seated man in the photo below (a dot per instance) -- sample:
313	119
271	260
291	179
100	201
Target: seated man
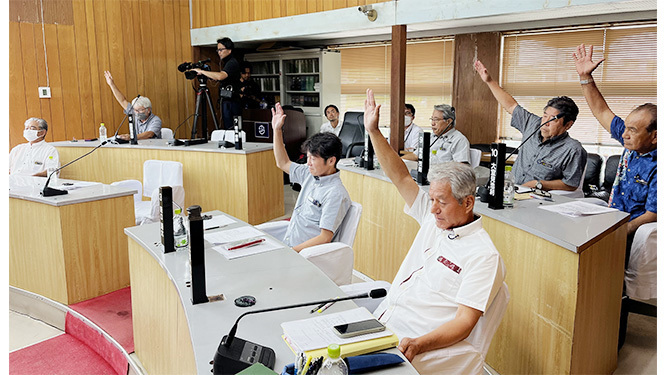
635	189
412	131
332	125
323	200
30	158
452	271
447	143
552	160
148	124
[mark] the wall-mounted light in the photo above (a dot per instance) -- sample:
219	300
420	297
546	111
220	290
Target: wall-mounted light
368	10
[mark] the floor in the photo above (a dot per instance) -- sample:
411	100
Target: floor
638	355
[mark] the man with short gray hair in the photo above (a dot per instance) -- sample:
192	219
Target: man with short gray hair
30	158
148	124
447	143
451	273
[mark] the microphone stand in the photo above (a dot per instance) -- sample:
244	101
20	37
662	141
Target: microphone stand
121	123
50	192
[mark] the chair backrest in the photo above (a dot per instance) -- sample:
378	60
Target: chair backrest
130	184
160	173
348	227
578	193
610	171
217	135
167	133
352	132
486	326
475	157
593	169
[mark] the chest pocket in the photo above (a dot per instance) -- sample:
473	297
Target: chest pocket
638	187
312	210
547	169
441	276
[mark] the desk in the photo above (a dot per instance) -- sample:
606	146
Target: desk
69	248
246	183
173	336
565	275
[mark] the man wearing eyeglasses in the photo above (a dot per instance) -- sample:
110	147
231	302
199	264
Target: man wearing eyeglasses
447	143
552	160
148	124
229	79
29	159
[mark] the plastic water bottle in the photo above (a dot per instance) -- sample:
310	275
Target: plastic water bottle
508	188
103	132
334	364
180	231
51	166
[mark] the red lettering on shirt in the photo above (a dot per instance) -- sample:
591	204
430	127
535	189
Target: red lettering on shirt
449	264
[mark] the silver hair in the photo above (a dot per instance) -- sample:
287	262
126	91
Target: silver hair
460	176
447	111
40	122
142	101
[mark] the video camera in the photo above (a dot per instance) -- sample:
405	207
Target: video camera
187	66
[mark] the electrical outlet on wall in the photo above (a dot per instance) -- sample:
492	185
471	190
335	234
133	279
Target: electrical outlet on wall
44	92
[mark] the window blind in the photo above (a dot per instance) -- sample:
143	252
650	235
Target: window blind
537	67
428	77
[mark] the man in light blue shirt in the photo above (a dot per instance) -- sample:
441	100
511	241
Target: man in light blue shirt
323	200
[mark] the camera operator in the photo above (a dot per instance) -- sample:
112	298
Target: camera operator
229	77
148	124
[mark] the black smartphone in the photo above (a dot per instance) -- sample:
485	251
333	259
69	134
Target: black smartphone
358	328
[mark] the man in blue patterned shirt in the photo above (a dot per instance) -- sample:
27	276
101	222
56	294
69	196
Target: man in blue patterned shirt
636	185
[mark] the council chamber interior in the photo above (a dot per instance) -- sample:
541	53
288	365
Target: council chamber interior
565	276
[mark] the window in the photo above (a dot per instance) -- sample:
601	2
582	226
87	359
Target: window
537	67
428	77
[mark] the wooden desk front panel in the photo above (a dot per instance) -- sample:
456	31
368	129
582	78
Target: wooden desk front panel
385	232
70	253
246	186
161	334
564	307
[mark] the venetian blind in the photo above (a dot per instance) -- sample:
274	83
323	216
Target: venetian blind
538	67
428	77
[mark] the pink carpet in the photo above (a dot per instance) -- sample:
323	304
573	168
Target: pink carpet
113	313
62	354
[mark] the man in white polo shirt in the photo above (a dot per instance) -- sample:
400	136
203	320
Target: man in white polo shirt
30	158
452	271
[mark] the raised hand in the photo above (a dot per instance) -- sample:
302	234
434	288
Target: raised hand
481	70
583	60
371	112
108	77
278	119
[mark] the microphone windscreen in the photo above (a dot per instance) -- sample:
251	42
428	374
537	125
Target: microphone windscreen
377	293
560	115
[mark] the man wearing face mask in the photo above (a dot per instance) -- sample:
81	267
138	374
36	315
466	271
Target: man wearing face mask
447	143
412	131
30	158
148	124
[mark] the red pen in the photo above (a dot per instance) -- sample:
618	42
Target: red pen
247	244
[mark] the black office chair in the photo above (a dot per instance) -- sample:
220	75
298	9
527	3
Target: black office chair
592	177
352	134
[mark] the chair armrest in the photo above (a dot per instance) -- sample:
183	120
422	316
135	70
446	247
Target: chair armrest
276	229
335	259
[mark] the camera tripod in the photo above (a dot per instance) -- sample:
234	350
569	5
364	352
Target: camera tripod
200	109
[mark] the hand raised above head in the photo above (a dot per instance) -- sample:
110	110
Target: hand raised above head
278	119
108	77
583	60
371	112
481	70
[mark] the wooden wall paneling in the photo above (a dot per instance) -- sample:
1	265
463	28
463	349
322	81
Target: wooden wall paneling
301	6
95	71
218	7
140	52
116	62
57	12
86	100
30	73
45	104
127	37
103	62
171	103
158	88
70	83
145	50
291	8
57	127
24	11
476	108
327	5
245	7
17	91
196	23
314	6
398	57
337	4
186	94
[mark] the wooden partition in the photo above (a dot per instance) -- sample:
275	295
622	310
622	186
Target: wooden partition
140	42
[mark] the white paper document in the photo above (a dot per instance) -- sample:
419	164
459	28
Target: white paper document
265	246
520	189
577	209
317	332
76	185
217	221
231	235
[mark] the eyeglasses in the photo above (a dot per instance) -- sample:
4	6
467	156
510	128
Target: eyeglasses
221	49
436	119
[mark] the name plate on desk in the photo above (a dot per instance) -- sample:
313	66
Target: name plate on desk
166	219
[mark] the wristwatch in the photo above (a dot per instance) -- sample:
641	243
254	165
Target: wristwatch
585	81
538	185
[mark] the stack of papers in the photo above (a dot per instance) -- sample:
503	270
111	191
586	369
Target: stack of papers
578	209
221	240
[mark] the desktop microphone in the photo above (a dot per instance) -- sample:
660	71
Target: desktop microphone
235	354
50	192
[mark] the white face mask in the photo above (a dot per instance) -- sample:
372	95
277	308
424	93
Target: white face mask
30	134
408	121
